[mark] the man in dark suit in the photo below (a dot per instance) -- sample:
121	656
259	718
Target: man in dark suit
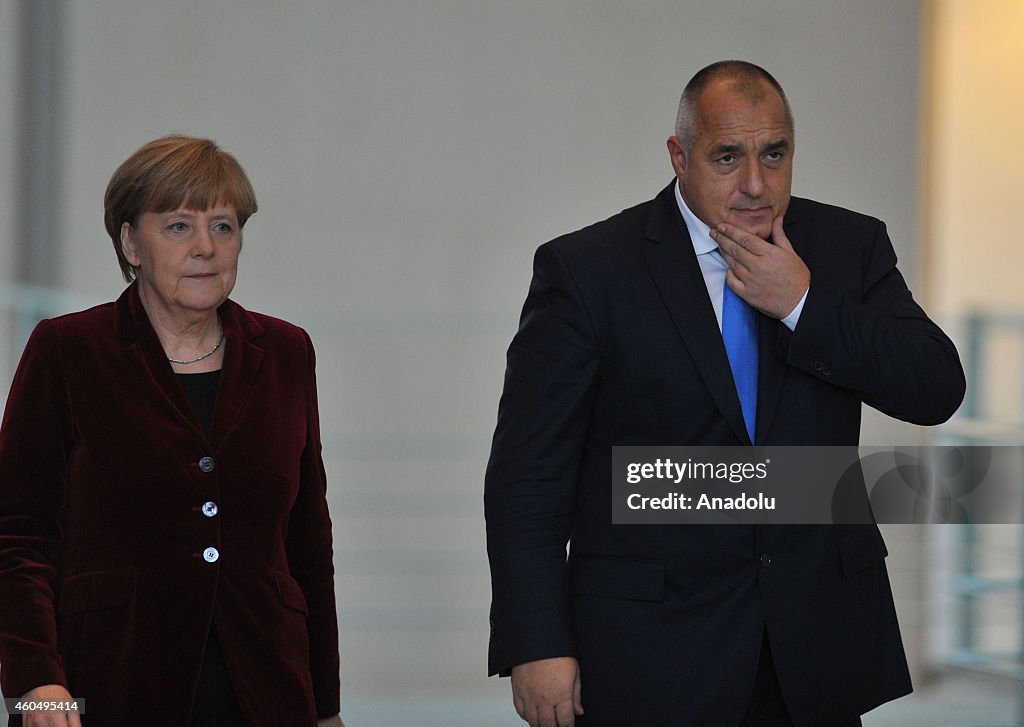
628	337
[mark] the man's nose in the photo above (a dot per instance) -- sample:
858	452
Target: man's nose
752	182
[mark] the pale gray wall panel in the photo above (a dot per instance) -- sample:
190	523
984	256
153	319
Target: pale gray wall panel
9	149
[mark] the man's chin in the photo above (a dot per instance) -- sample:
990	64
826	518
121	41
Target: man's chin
763	230
759	224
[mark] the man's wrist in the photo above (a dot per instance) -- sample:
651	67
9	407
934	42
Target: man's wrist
793	318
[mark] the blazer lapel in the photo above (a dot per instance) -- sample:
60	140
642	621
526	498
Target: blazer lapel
143	346
771	366
672	262
242	358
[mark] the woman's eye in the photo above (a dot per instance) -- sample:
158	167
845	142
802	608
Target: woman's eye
223	228
178	226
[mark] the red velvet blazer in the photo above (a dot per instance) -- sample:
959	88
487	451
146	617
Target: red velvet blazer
125	530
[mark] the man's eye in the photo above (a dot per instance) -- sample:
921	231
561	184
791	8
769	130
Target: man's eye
727	159
774	156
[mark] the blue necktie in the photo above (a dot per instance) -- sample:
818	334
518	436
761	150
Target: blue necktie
739	331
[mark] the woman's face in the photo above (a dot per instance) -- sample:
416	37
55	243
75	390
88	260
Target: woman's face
185	260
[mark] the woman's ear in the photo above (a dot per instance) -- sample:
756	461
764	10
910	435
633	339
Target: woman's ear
129	248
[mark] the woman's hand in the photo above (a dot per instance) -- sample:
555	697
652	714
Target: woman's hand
50	693
334	721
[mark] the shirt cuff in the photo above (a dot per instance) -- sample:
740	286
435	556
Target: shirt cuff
793	318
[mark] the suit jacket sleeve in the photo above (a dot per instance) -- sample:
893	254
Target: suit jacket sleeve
311	557
530	489
34	441
877	342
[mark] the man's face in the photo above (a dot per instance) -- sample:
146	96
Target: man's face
740	167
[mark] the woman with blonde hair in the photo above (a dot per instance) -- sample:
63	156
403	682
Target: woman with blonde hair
165	542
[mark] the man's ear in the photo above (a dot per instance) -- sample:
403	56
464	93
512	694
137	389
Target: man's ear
129	248
677	155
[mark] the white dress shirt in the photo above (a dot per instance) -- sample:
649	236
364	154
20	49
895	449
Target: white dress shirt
713	266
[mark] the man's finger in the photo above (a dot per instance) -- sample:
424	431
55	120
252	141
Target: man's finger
742	238
737	277
577	695
733	251
736	263
736	283
778	236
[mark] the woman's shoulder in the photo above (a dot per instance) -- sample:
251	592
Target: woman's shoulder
89	322
260	325
67	336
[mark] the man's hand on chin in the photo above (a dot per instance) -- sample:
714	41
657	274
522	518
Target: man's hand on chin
547	692
770	276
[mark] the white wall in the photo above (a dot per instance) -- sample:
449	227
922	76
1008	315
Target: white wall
408	157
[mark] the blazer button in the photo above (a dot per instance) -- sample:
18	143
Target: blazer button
818	365
211	555
206	464
210	509
766	560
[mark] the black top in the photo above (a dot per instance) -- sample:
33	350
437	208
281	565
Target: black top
215	701
201	392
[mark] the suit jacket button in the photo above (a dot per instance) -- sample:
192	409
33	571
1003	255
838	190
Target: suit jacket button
766	560
211	555
210	509
206	464
818	365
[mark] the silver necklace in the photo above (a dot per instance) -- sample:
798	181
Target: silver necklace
202	356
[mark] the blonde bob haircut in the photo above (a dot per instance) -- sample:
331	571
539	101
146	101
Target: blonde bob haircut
170	173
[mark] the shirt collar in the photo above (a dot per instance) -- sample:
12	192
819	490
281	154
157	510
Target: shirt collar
700	234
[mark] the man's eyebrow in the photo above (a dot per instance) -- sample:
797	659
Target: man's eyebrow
727	149
777	145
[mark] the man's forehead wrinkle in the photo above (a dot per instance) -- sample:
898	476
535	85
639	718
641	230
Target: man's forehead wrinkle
739	132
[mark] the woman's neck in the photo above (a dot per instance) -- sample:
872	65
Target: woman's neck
193	343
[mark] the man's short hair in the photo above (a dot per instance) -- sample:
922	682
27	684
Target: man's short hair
747	76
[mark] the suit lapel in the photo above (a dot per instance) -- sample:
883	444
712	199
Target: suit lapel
673	266
771	366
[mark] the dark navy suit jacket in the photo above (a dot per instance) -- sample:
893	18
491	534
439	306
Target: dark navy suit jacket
618	345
